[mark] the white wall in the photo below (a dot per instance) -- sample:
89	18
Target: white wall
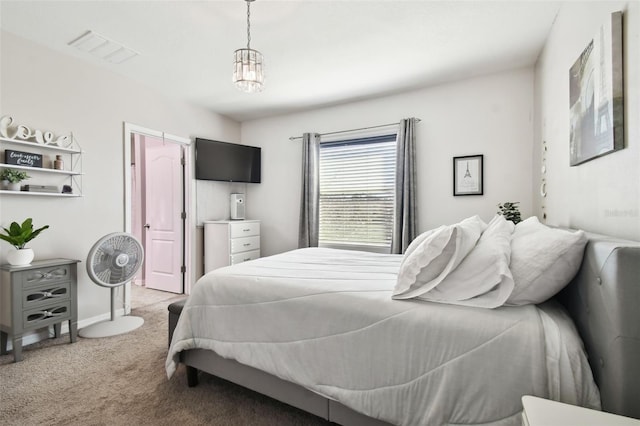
46	90
602	195
489	115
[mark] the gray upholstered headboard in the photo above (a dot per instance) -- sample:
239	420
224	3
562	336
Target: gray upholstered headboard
604	301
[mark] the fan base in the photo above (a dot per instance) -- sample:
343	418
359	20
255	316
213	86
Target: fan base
114	327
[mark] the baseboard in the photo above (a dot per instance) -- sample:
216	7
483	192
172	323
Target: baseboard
47	333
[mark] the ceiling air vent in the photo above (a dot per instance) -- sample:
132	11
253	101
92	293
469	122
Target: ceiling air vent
103	47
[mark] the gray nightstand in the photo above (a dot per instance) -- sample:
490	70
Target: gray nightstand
35	296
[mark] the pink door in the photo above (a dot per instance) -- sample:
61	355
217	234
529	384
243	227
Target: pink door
163	215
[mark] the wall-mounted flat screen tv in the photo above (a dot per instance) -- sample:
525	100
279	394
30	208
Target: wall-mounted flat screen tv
228	162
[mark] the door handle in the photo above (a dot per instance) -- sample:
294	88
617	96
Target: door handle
147	226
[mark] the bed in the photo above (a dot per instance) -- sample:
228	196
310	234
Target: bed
317	329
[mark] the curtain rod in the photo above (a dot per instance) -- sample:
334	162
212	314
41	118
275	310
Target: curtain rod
352	130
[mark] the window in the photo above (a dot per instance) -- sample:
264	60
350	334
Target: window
357	188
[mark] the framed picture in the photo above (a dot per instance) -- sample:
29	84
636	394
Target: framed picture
596	95
468	175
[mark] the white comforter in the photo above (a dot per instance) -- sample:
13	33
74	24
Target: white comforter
325	319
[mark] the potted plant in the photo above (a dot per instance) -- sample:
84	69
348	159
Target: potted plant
18	236
11	178
510	211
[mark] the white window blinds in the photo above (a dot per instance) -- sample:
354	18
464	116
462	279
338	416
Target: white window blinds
357	185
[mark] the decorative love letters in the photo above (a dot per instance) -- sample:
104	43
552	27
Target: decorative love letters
24	133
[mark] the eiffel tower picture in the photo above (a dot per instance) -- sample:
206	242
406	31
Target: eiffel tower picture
468	175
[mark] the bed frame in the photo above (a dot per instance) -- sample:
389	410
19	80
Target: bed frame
603	300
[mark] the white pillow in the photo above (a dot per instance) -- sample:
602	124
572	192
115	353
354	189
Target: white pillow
483	279
435	256
543	260
418	240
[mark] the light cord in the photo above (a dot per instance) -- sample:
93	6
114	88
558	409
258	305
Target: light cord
248	23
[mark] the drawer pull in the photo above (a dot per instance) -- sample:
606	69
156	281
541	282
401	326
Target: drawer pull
246	244
246	259
246	230
46	294
39	316
35	276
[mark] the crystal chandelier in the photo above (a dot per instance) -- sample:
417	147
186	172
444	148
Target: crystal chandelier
248	64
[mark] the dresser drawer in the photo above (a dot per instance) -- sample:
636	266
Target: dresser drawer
45	275
34	297
239	245
244	229
225	239
46	315
244	257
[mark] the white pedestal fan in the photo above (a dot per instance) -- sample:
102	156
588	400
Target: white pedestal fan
112	262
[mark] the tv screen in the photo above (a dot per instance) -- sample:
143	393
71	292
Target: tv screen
227	162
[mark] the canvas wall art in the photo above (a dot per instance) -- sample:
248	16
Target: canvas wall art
596	95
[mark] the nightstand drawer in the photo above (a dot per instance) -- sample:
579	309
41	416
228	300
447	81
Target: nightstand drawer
244	229
46	275
239	245
44	295
244	257
47	315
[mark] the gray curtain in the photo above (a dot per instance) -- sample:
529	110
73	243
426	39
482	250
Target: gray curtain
310	197
404	219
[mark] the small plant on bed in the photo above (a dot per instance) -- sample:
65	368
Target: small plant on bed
510	211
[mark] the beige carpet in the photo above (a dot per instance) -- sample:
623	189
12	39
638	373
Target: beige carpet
121	380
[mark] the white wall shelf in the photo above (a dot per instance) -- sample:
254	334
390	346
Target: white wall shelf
72	157
43	146
41	170
46	194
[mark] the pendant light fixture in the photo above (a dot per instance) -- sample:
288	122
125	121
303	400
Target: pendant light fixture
248	64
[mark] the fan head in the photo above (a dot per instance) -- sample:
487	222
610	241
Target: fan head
115	259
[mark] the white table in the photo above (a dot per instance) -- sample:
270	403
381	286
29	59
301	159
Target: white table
543	412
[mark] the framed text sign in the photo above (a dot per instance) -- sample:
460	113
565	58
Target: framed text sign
19	158
467	175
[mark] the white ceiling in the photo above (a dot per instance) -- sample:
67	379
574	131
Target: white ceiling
317	53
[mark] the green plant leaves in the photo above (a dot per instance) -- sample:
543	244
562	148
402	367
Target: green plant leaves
510	211
13	175
18	235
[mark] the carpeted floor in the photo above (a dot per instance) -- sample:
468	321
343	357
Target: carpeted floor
121	380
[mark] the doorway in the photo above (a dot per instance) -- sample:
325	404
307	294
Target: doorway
157	200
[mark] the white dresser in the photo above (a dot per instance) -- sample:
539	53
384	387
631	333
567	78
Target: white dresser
227	242
543	412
